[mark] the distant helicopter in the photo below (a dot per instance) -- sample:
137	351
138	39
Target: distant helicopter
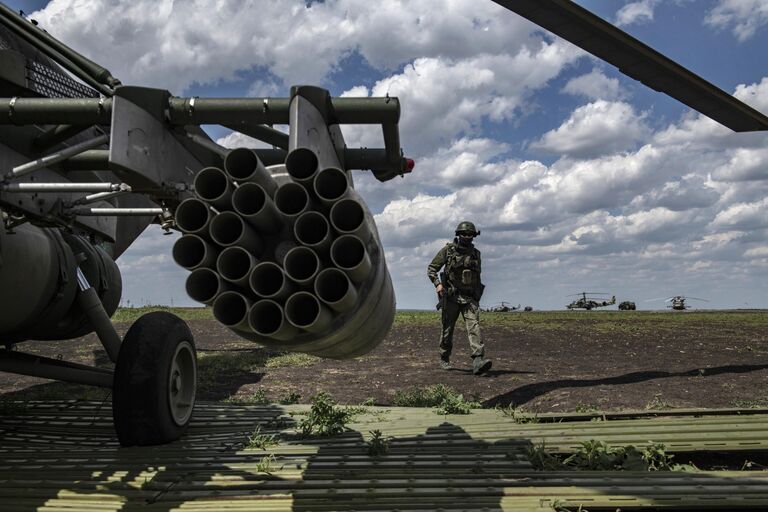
588	303
677	302
503	307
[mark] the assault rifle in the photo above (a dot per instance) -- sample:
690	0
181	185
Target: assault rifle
448	290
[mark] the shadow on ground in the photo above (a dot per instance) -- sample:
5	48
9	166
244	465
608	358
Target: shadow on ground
526	393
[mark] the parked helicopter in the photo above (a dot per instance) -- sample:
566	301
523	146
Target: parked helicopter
503	307
677	302
590	303
86	165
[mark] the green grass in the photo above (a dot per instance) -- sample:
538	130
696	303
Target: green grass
291	359
261	441
605	321
416	317
657	403
618	322
446	399
260	397
325	418
595	455
131	314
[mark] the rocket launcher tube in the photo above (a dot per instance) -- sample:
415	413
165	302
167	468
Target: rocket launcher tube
301	164
193	216
334	288
231	309
268	280
213	186
291	200
331	185
192	252
229	229
304	311
235	265
251	201
349	254
267	318
312	230
348	218
204	285
242	165
301	266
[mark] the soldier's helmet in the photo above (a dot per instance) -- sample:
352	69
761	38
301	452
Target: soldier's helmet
467	228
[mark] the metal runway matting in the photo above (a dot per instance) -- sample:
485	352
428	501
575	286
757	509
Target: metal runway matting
64	456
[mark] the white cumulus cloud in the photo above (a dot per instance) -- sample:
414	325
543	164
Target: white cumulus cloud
595	129
743	17
636	12
595	86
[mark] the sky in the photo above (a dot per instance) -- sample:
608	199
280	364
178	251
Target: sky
580	179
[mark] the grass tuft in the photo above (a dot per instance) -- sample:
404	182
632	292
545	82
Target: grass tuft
446	399
261	441
595	455
324	418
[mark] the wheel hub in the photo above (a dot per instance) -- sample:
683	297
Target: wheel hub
182	383
176	382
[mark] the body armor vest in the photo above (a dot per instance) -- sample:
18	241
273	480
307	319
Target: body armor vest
462	267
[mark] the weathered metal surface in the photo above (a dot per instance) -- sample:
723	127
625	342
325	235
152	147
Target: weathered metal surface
64	456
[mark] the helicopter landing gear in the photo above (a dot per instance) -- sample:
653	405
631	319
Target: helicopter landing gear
155	381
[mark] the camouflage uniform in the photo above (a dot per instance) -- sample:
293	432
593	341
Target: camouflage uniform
462	292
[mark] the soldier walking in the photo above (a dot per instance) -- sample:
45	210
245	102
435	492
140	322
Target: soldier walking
459	290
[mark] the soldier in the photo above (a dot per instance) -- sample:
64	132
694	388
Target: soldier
459	290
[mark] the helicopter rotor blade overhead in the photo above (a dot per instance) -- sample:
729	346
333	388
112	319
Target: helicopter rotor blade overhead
638	60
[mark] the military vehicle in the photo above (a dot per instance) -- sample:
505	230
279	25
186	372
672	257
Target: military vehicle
88	164
277	241
627	305
590	303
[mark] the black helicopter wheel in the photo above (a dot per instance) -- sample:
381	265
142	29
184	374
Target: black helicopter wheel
155	381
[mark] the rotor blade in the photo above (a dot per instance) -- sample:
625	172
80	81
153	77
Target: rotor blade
696	298
639	61
658	298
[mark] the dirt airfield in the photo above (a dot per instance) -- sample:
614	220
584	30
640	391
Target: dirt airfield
542	362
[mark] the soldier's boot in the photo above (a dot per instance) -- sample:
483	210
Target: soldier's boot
480	365
445	364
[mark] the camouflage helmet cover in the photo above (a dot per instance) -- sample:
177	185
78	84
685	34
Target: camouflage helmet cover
466	227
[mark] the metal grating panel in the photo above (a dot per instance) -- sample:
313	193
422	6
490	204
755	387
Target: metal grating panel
64	456
52	84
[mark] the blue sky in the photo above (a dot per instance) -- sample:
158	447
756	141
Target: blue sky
579	177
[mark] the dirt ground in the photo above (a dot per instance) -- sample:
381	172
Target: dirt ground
542	362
